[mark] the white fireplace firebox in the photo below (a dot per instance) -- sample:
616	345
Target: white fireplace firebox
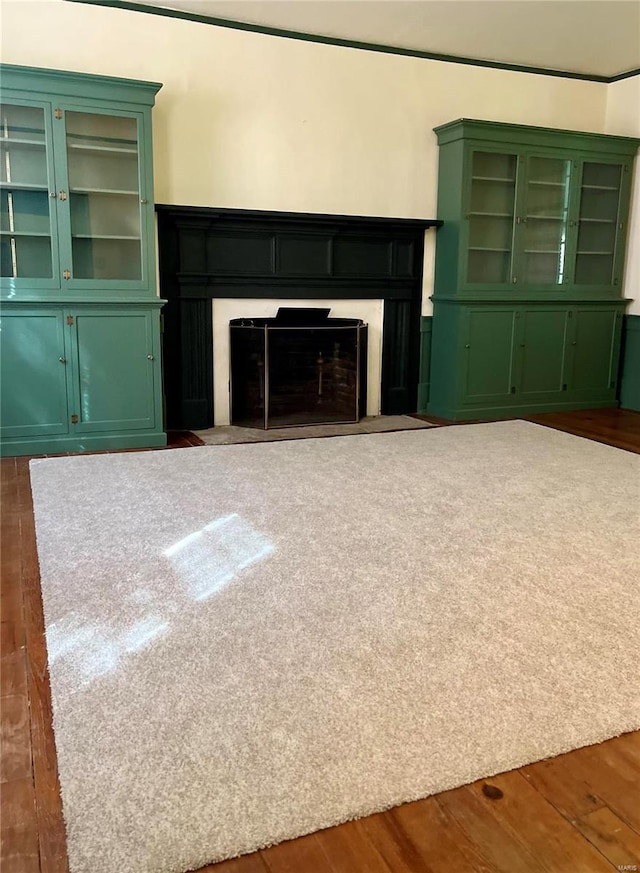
224	310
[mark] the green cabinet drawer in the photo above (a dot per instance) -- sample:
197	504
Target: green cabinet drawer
33	365
114	362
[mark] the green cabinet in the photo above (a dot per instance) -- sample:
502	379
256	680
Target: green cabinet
498	360
77	242
529	264
89	378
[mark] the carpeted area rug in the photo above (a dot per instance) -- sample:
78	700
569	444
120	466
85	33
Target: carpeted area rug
230	434
249	643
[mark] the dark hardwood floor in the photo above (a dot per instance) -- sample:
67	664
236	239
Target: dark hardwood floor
615	427
577	813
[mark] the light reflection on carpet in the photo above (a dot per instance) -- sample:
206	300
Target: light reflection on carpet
211	557
95	651
205	561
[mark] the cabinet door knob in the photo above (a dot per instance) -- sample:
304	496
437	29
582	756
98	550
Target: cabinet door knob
150	358
62	359
63	195
144	201
467	346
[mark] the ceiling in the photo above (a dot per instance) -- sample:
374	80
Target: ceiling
589	37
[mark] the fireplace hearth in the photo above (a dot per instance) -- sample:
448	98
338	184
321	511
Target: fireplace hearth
300	367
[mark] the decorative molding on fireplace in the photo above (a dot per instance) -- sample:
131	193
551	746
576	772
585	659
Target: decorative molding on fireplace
212	253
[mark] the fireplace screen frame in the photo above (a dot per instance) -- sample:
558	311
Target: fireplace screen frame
255	340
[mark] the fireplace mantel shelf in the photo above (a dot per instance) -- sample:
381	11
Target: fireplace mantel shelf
337	223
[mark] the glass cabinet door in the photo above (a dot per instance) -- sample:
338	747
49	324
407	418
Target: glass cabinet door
544	222
104	196
27	194
597	223
491	217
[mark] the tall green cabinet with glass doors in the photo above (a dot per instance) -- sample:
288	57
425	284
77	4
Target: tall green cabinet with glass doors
528	305
80	318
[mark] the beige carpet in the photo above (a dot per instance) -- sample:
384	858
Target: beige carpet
249	643
229	434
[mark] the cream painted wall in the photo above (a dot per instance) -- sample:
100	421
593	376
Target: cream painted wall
623	118
370	311
251	121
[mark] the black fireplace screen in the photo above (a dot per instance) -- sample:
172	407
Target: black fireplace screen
300	367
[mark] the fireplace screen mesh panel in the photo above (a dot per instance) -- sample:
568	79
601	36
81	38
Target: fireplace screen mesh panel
285	373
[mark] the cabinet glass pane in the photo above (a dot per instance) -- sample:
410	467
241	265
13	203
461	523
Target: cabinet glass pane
546	217
599	203
104	196
493	189
25	222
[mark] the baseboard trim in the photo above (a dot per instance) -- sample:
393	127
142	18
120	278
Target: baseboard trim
76	445
486	413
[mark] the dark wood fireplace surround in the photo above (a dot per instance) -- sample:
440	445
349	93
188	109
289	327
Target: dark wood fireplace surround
210	253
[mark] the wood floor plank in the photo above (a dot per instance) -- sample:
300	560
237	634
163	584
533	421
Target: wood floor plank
439	839
13	674
588	779
566	786
615	427
10	592
18	830
615	780
619	843
296	856
51	829
629	744
7	472
350	851
503	853
11	636
11	599
520	829
15	738
393	844
246	864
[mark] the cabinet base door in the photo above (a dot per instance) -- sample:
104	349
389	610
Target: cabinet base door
488	371
33	365
595	352
115	364
542	347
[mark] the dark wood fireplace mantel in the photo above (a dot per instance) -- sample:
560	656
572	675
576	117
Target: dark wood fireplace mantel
210	253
